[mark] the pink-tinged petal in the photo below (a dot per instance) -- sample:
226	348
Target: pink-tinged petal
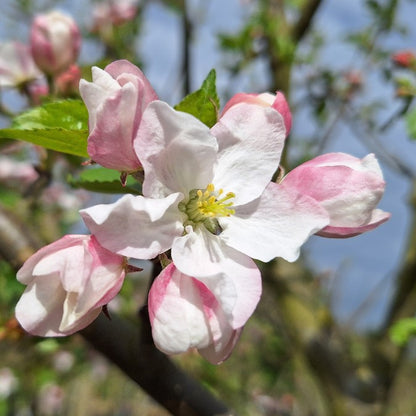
378	217
233	277
274	225
26	273
281	105
218	352
176	309
68	281
96	92
110	142
265	99
237	289
177	151
347	187
250	139
124	71
185	314
37	311
135	226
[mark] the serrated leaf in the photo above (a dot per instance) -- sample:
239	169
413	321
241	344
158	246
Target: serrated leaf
411	123
61	126
203	103
402	330
99	179
73	142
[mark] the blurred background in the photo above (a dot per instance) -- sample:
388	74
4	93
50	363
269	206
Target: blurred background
333	332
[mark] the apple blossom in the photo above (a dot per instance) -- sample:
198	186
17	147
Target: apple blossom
207	314
68	282
347	187
55	41
277	101
116	99
17	67
207	194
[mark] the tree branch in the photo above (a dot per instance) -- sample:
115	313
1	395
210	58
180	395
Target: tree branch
305	19
131	348
128	346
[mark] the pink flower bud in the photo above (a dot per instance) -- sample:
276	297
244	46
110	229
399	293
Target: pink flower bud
265	99
67	83
185	313
55	41
347	187
108	13
404	59
116	99
68	282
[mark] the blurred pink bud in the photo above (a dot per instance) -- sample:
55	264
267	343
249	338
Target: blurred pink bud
8	383
67	83
15	172
68	282
108	13
17	66
55	41
404	59
116	99
265	99
347	187
37	90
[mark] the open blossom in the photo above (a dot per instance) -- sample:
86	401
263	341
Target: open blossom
207	314
277	101
17	66
68	282
208	195
347	187
116	99
55	41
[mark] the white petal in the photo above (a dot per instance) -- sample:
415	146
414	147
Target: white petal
135	226
232	276
177	313
176	150
250	139
274	225
39	310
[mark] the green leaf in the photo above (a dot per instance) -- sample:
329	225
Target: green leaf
99	179
61	126
203	103
402	331
411	123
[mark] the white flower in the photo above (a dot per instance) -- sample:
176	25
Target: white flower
208	195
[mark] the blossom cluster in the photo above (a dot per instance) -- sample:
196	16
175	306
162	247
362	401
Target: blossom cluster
54	46
210	206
